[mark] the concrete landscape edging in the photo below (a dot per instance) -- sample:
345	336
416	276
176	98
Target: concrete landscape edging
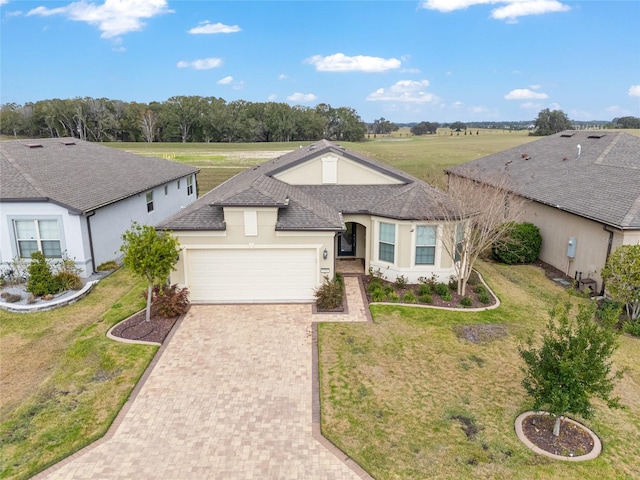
594	453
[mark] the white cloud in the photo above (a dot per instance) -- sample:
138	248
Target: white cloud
406	91
339	62
282	76
4	2
634	91
225	81
525	94
535	87
273	97
201	64
113	17
302	97
509	10
210	28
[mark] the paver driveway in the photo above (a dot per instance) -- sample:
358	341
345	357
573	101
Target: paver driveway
230	398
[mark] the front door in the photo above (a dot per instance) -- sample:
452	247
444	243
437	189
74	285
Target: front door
347	241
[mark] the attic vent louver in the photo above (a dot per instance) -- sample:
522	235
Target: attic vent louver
597	135
34	145
567	135
68	142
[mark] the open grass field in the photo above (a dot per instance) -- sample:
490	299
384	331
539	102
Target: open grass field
62	381
396	394
425	156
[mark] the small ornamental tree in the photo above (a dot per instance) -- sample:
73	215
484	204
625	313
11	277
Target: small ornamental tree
150	254
41	280
622	278
572	365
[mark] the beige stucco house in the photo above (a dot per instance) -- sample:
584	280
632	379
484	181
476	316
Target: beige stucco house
274	232
584	192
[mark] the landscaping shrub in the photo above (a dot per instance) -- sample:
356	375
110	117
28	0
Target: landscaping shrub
474	278
374	284
426	298
393	297
479	289
388	289
442	289
378	295
330	294
632	328
521	244
424	289
484	297
446	297
106	266
409	297
168	302
453	283
401	281
68	280
41	280
466	302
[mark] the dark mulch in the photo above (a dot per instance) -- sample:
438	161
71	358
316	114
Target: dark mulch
137	328
573	440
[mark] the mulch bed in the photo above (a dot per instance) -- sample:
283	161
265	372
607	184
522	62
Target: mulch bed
437	300
137	328
573	440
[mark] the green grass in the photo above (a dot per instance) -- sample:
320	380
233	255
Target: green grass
392	392
63	380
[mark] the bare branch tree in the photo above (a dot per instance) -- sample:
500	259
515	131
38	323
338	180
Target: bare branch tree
475	218
149	125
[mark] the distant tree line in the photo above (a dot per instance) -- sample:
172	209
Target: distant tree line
182	119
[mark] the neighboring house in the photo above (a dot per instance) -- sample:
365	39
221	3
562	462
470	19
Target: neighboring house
584	188
68	197
274	231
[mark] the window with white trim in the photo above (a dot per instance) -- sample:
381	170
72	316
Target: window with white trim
38	236
425	245
387	242
190	185
149	202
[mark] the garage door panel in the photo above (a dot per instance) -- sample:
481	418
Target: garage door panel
252	275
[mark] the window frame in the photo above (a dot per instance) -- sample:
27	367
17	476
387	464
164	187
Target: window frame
190	185
432	246
149	200
387	244
40	240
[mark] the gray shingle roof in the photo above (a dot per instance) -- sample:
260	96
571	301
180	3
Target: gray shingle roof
313	207
80	175
602	183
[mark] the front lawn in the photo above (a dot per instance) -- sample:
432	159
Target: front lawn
62	380
408	397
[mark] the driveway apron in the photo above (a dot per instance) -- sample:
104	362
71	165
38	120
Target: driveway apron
230	398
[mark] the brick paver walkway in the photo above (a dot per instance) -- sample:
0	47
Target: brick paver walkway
230	398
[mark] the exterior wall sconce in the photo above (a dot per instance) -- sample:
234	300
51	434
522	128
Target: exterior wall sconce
325	254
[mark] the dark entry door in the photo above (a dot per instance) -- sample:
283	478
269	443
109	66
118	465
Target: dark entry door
347	241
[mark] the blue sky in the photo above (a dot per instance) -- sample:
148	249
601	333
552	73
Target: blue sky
431	60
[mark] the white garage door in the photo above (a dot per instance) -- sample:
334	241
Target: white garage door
252	275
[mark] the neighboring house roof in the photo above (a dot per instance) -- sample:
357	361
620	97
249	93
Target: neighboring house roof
593	174
79	175
313	207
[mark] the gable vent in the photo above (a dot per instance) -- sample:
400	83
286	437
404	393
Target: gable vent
34	145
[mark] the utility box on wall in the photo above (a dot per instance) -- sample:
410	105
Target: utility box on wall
571	247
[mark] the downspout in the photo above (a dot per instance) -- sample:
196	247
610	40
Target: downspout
609	245
93	258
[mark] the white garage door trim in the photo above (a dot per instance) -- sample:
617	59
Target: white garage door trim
259	274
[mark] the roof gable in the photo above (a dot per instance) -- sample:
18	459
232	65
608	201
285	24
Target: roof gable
80	175
315	206
595	175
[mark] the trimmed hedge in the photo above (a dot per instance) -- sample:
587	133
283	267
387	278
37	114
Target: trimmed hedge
522	244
